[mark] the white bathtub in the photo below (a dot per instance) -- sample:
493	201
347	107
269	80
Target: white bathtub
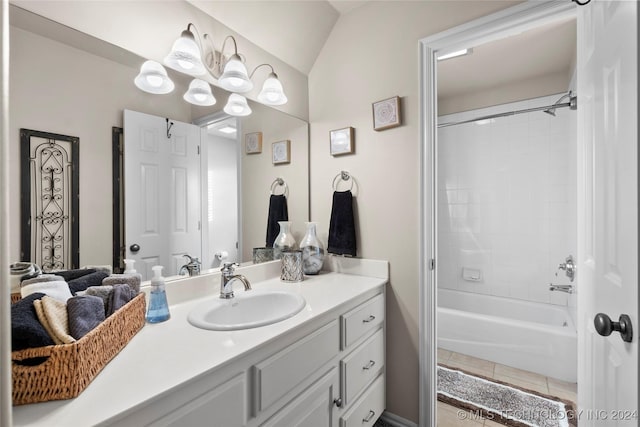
532	336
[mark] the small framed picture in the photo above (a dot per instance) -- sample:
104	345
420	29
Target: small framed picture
341	141
386	113
281	152
253	143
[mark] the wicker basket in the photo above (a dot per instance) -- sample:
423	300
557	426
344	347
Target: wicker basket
69	368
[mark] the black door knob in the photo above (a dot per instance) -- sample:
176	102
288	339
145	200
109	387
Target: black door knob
134	248
605	326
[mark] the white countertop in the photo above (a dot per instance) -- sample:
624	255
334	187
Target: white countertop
165	355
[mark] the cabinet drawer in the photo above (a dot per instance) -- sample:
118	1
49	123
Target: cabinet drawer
368	408
362	319
279	374
360	367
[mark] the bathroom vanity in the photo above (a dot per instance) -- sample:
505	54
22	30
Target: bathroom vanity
325	366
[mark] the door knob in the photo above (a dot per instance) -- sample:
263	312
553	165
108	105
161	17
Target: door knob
605	326
134	248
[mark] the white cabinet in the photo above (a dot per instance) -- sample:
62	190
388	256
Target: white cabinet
328	372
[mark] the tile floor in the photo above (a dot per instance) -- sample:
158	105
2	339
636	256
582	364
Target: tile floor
449	416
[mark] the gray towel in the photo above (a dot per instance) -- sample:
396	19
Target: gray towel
83	282
120	296
26	329
133	280
85	313
103	292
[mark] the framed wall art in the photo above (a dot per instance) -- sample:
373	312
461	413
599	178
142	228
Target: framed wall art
253	143
281	152
386	113
341	141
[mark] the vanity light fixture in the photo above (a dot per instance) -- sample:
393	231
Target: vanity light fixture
455	54
237	105
153	78
188	55
185	54
199	93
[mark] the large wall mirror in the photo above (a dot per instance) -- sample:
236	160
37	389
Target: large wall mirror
64	81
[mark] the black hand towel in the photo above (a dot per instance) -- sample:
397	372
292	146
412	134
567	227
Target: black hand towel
277	212
342	229
26	329
83	282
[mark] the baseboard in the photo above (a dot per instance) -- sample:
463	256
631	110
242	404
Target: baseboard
396	421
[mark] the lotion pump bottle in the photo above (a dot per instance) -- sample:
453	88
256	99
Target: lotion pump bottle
133	278
158	310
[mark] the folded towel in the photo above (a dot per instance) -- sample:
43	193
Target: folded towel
277	212
52	313
84	313
103	292
107	268
69	275
133	280
342	229
42	278
22	271
83	282
26	329
121	295
57	289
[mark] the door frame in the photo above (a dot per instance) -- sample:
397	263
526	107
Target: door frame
495	26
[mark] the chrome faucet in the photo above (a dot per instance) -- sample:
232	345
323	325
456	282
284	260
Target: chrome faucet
192	266
562	288
569	268
226	286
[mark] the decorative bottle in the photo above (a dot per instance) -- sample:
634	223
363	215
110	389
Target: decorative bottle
312	250
158	310
284	240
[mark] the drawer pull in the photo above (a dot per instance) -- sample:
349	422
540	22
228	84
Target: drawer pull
369	416
369	365
338	402
371	318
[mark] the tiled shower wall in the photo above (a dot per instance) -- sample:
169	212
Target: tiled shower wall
507	201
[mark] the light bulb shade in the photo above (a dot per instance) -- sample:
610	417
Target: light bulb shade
185	56
153	78
199	93
272	92
237	105
235	78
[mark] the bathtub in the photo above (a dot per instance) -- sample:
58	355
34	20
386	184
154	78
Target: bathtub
532	336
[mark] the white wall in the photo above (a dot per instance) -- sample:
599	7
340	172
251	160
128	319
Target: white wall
222	201
372	54
507	201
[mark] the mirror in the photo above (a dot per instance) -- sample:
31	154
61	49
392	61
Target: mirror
64	81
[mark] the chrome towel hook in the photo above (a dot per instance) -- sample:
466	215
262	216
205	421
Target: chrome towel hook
343	176
279	182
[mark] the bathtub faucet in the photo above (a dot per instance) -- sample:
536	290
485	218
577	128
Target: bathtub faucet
562	288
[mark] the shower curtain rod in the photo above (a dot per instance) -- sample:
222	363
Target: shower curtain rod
572	103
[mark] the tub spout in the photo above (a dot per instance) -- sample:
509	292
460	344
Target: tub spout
562	288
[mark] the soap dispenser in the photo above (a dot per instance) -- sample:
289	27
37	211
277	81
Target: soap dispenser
158	310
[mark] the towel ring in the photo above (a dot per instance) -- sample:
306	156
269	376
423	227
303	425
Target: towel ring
344	175
279	182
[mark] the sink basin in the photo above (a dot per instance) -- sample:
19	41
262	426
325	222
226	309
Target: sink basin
248	309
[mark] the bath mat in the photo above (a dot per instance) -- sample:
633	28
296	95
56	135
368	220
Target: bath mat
502	403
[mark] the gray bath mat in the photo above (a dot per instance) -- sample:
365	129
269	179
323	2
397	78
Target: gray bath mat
502	403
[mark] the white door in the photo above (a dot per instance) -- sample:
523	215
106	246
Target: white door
608	211
162	188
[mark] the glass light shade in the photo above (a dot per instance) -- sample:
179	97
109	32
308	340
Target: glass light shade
237	105
185	56
153	78
199	93
272	92
235	78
